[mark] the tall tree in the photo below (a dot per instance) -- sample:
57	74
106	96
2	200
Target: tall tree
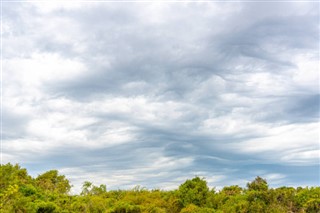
194	191
53	182
259	184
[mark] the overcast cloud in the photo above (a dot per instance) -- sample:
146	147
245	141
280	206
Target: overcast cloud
151	94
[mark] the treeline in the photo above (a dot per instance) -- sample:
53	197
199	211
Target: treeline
49	192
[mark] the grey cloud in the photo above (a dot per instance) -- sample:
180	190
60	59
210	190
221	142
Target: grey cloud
305	108
136	56
293	109
14	124
190	58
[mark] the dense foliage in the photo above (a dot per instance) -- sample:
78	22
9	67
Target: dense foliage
49	192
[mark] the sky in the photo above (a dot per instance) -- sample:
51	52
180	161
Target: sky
155	93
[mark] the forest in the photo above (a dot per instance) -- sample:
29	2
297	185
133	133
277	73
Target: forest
50	192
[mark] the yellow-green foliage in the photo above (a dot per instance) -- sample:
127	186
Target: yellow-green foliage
48	193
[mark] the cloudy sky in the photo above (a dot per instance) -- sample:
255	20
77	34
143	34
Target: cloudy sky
152	94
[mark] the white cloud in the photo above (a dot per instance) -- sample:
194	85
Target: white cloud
293	143
155	166
48	6
306	76
155	93
41	69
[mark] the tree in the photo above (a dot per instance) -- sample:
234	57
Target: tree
308	199
194	191
46	207
13	174
53	182
8	194
47	193
313	205
89	189
259	184
283	197
232	190
258	195
13	179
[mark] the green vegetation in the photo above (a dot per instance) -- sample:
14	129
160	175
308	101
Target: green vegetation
49	193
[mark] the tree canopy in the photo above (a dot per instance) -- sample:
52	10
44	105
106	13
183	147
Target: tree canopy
49	193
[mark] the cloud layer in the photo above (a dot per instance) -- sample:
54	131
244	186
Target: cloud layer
155	93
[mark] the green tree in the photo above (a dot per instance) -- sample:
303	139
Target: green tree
8	195
89	189
46	207
312	205
259	184
13	174
194	191
257	195
308	199
232	190
51	181
47	193
191	208
283	198
13	179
